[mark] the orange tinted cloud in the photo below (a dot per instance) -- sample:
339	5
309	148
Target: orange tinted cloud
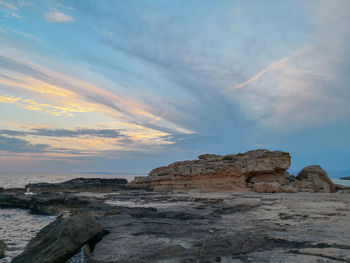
274	66
8	99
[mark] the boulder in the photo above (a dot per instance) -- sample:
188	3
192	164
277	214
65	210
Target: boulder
316	179
60	240
267	187
219	173
2	248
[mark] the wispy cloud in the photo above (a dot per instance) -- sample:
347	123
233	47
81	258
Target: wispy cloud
20	146
309	87
63	95
9	8
57	17
81	132
274	66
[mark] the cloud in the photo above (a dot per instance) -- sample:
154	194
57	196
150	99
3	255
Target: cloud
57	17
310	86
63	95
9	8
16	145
103	133
8	5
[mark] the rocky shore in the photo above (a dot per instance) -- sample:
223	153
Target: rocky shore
259	170
137	223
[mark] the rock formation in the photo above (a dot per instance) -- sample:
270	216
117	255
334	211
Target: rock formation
316	178
188	226
220	173
259	170
264	187
60	240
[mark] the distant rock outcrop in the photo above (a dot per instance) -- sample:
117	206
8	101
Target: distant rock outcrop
82	183
260	170
220	173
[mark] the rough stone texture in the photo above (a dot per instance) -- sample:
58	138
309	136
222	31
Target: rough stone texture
220	173
45	203
288	189
60	240
2	248
229	227
81	183
317	179
163	227
267	187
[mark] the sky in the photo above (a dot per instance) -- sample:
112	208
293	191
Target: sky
127	86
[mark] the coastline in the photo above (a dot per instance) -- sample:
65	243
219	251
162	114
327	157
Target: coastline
195	225
241	207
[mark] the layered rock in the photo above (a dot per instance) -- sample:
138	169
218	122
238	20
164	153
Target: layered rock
220	173
315	178
266	187
60	240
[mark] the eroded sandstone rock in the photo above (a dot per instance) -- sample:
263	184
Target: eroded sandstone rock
267	187
220	173
288	189
315	178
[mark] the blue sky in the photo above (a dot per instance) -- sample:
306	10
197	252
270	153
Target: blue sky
130	85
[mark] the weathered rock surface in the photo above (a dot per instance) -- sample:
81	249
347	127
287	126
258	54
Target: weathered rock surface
47	203
146	226
220	173
229	227
267	187
2	248
81	184
60	240
317	179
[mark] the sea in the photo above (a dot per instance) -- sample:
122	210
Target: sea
18	226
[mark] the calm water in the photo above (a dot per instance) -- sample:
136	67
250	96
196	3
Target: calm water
339	181
8	180
17	226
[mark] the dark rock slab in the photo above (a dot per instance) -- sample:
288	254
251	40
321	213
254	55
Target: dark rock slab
60	240
2	248
82	183
46	203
